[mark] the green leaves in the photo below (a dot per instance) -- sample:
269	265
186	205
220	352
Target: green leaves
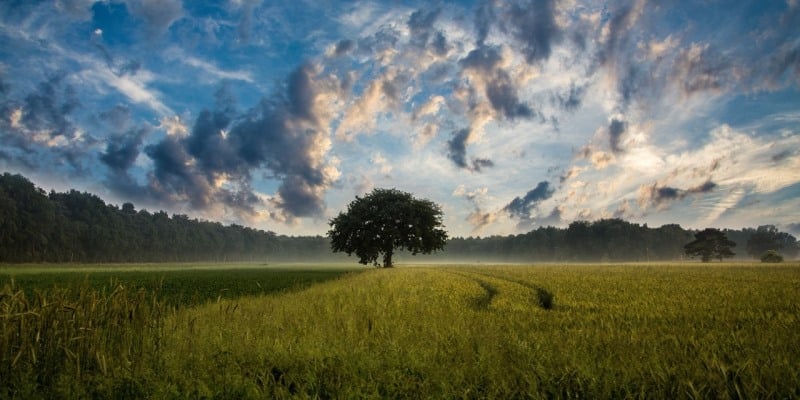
710	243
384	221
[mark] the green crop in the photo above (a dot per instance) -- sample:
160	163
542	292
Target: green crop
546	331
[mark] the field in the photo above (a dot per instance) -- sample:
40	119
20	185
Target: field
506	331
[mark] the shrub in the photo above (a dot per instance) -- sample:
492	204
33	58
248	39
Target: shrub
771	256
545	298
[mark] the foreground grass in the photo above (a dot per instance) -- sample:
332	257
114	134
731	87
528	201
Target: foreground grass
657	331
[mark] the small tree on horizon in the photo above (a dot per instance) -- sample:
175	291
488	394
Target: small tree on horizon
384	221
710	243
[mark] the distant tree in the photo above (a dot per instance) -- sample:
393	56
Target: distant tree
384	221
767	237
771	256
710	243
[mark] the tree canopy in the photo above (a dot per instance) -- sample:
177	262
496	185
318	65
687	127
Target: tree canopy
384	221
766	238
710	243
37	226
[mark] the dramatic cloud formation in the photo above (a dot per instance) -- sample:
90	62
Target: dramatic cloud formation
274	114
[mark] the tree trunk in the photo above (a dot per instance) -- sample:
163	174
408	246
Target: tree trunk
387	259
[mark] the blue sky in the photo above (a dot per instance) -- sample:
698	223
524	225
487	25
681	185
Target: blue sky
510	115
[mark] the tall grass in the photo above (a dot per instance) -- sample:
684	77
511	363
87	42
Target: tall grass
78	342
635	331
610	332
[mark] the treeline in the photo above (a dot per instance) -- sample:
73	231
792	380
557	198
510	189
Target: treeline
36	226
606	240
80	227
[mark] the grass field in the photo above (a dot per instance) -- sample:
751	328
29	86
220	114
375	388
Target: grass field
176	284
546	331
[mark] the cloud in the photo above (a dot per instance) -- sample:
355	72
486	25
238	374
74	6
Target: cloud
158	15
534	27
79	9
570	100
39	131
457	148
380	96
457	152
615	130
173	126
285	135
420	26
521	207
122	150
342	47
245	27
599	159
134	87
478	218
661	196
382	164
212	71
700	69
483	67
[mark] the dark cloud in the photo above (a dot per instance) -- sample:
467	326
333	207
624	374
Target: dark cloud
280	135
439	44
615	130
479	163
661	195
343	47
457	153
533	25
666	193
500	90
300	196
502	93
48	108
457	148
521	207
38	130
121	151
420	25
207	143
703	188
483	59
484	15
301	94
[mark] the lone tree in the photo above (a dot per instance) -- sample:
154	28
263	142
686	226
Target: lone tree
710	243
386	220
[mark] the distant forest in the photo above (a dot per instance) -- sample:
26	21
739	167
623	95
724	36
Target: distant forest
36	226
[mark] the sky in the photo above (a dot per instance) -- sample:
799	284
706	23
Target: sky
508	114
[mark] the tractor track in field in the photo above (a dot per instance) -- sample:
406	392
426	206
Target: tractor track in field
544	297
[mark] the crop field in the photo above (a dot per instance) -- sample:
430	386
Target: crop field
471	331
174	284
